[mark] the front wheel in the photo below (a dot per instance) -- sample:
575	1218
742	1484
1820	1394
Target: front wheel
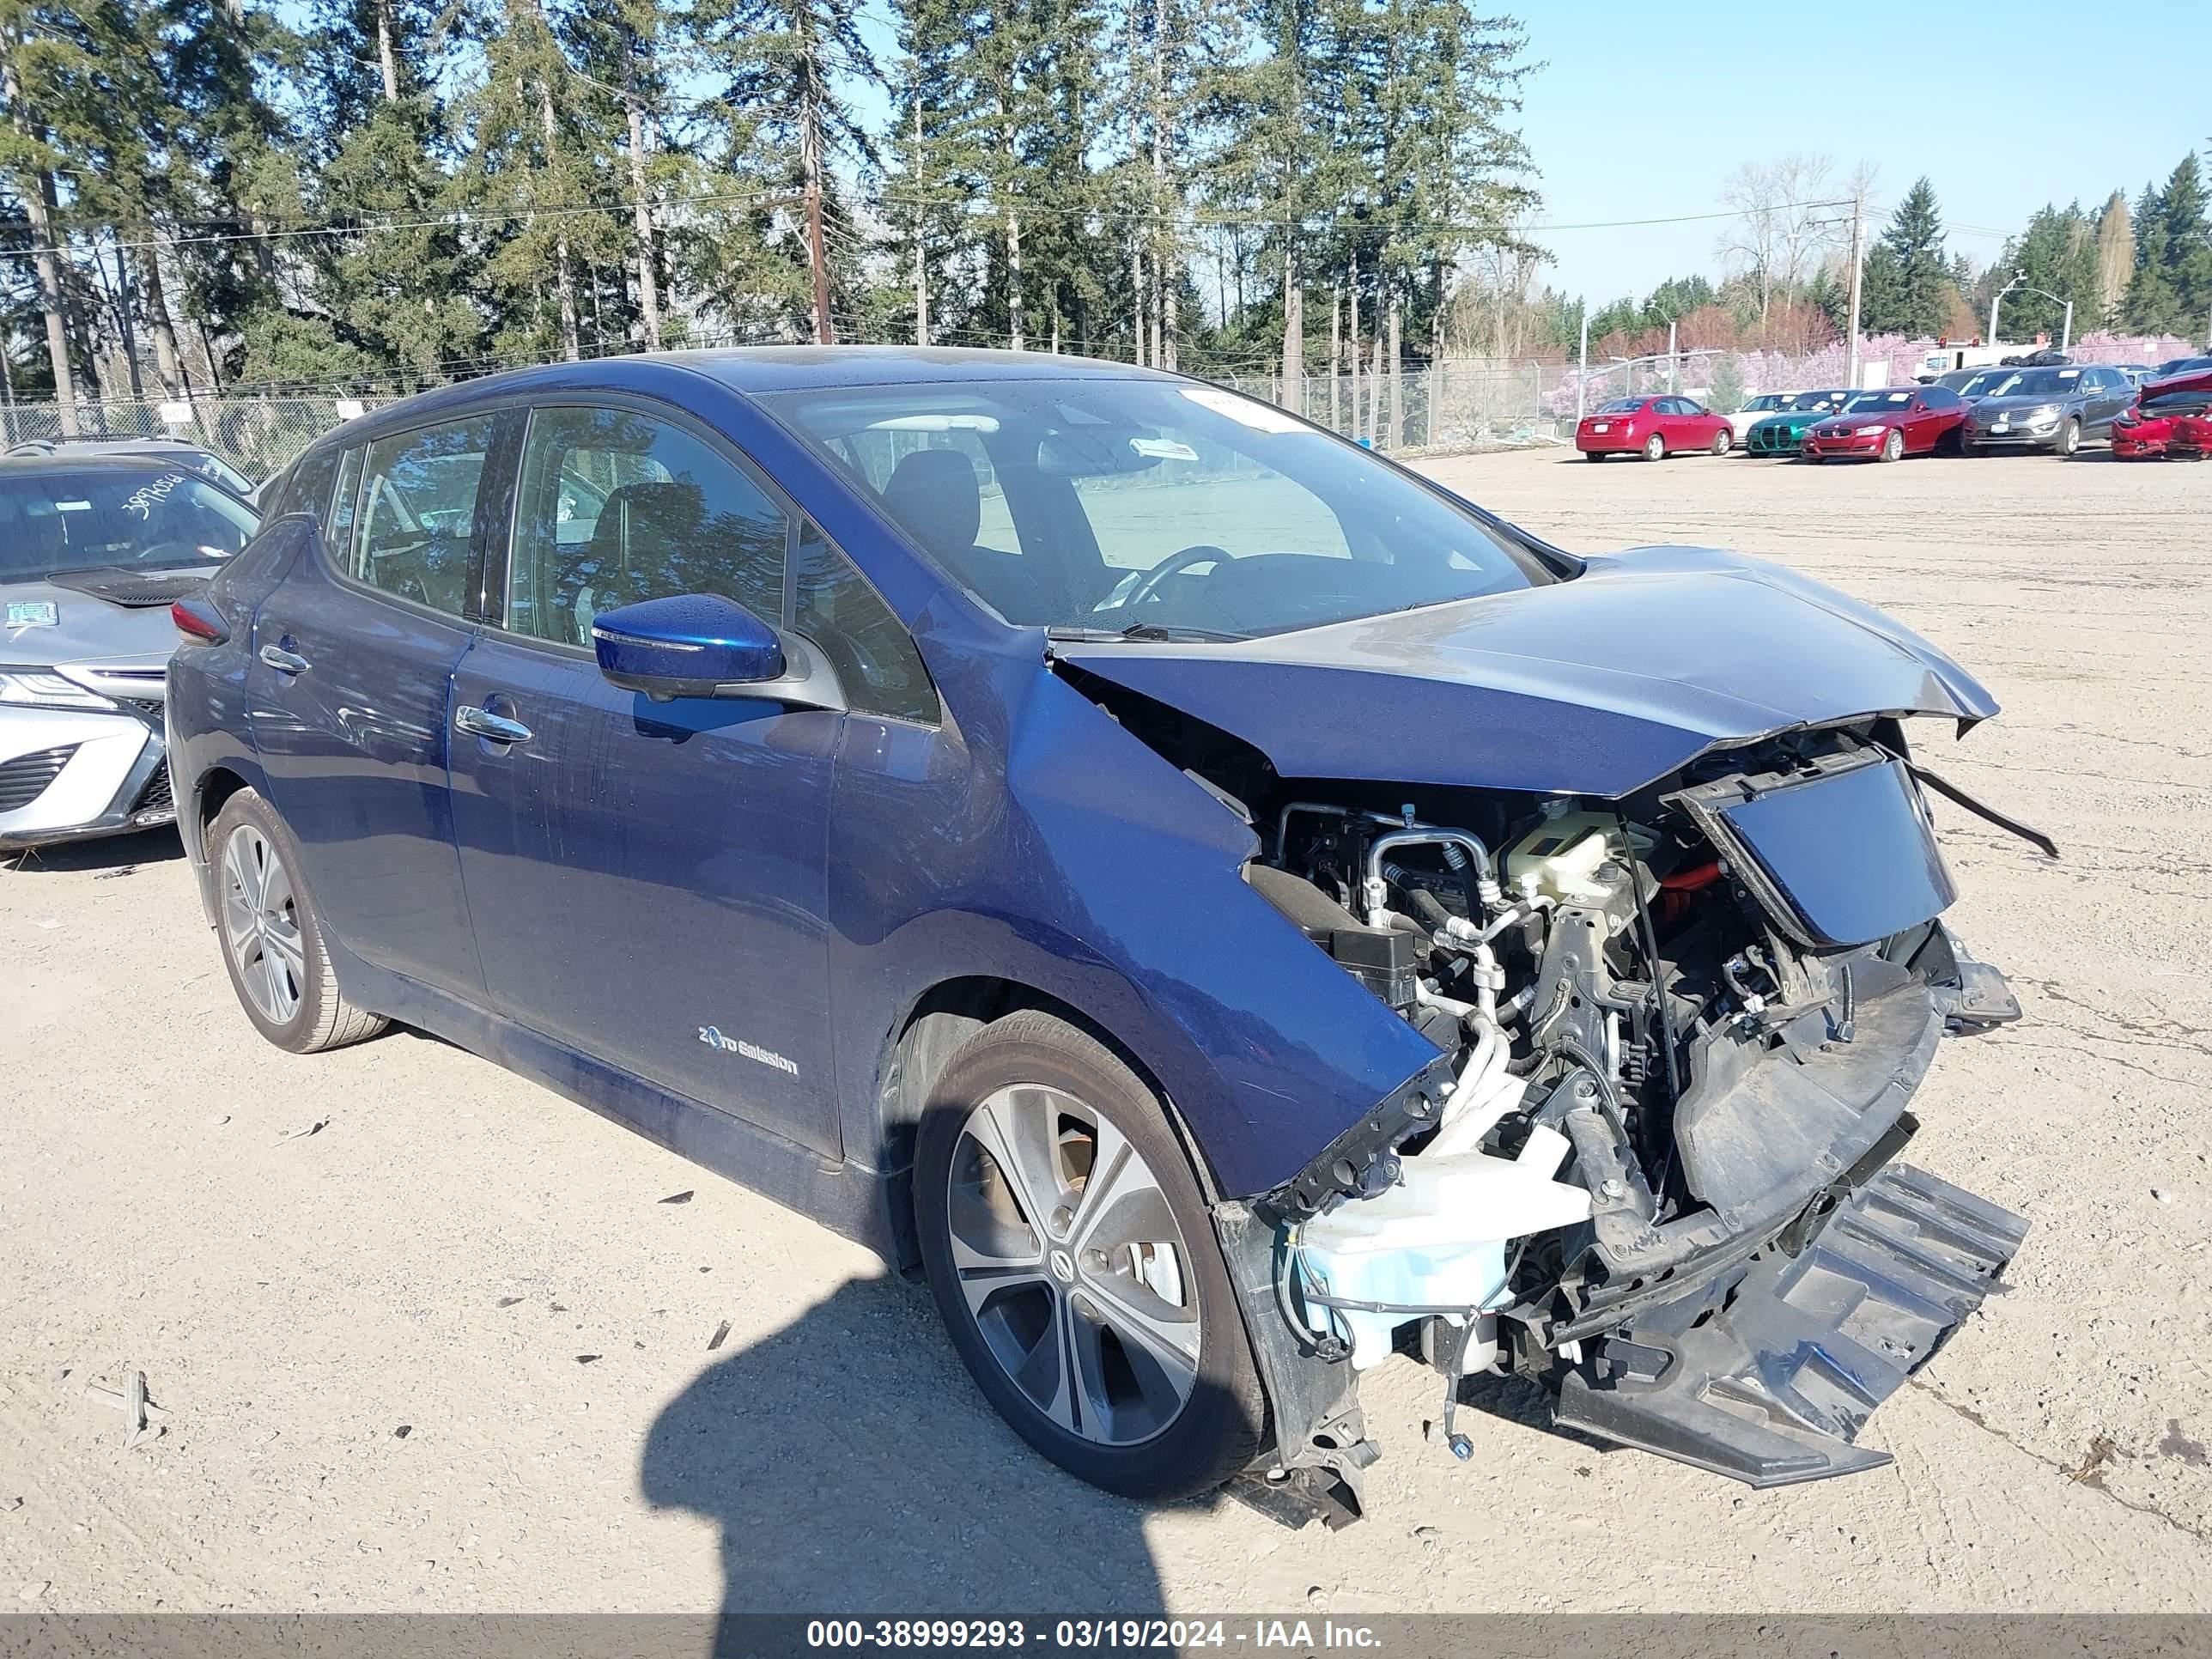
1723	439
2069	440
272	937
1073	1261
1893	447
1655	448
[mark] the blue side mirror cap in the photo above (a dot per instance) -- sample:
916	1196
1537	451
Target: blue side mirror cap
689	645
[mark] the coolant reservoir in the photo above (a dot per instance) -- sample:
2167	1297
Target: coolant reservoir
1437	1239
1558	859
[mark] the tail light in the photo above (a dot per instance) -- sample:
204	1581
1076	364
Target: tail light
197	618
2130	415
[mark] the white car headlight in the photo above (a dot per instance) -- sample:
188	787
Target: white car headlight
40	688
2043	417
1869	431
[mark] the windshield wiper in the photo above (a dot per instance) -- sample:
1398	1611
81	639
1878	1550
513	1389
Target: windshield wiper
1142	634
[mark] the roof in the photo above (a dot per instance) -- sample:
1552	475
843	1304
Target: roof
791	368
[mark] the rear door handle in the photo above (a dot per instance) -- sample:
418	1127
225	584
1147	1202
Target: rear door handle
482	723
283	662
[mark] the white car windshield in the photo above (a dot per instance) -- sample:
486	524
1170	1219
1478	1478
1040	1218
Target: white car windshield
54	518
1101	506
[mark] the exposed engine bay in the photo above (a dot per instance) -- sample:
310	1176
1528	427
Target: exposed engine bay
1653	1170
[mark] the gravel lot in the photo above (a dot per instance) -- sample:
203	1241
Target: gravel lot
451	1351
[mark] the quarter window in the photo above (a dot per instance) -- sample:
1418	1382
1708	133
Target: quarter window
877	665
616	507
417	512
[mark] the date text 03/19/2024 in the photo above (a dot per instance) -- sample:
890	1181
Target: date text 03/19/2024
1083	1635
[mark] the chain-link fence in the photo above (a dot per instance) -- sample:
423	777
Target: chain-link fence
257	435
1455	405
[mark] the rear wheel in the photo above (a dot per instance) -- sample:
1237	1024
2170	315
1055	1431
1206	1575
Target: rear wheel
1893	447
1655	448
272	939
1073	1261
1593	455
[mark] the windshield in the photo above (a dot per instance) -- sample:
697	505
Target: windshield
58	519
1815	400
1766	401
1620	406
1872	401
2031	383
1101	506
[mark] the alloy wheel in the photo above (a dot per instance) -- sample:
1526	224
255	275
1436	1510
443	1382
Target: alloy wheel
261	925
1073	1266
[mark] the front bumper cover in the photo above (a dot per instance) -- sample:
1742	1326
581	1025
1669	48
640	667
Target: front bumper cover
114	780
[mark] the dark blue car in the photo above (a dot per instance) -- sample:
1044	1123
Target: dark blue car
1226	908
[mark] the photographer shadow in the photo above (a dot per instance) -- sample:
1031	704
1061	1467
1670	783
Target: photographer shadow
854	1469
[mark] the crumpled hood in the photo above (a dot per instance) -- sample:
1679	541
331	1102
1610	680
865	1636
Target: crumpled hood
86	629
1594	686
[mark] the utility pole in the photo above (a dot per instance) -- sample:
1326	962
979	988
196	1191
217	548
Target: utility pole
1673	363
1581	367
2066	329
1858	266
123	316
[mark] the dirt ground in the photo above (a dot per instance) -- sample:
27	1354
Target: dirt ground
453	1349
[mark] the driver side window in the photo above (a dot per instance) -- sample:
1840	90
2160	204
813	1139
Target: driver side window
615	507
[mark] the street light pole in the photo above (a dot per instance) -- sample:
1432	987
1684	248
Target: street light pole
2066	329
1996	300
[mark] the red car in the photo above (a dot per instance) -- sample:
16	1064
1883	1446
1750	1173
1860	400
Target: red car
2168	417
1889	425
1653	427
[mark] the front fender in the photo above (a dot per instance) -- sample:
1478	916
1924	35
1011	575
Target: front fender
1033	839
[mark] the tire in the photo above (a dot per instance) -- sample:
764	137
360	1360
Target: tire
1723	440
272	938
1592	455
1655	448
1029	1103
1893	447
2069	441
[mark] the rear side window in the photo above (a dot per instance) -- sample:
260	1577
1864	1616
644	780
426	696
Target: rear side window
1940	397
306	486
616	507
418	512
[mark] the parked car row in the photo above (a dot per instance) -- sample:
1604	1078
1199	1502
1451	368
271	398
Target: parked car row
2053	407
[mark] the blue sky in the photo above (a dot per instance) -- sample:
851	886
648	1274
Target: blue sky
1642	112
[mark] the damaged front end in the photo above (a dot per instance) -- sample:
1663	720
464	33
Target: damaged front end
1655	1168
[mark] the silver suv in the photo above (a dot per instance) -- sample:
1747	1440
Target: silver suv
93	549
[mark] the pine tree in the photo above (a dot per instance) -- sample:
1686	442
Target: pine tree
782	66
1907	284
398	293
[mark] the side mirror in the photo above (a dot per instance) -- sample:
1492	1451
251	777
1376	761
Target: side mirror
690	645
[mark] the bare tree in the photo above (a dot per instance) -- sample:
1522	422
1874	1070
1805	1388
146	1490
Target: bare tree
1785	223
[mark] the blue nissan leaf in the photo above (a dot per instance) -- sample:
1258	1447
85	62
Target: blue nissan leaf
1225	908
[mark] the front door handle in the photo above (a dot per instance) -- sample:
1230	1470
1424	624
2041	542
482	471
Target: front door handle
482	723
283	662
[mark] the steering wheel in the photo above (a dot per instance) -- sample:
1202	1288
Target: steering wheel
166	553
1148	585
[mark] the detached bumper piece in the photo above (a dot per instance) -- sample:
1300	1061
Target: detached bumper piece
1767	1377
